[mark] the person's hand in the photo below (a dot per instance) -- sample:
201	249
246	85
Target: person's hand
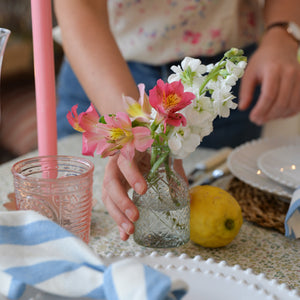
121	175
274	65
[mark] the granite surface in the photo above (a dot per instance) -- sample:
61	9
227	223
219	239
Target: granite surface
262	250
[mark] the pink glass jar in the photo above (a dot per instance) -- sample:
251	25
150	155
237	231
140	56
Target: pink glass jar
59	187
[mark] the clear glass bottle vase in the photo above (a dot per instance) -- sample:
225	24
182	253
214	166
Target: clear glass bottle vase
164	220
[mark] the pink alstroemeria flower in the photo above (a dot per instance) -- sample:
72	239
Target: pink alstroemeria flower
138	110
167	99
89	120
73	118
114	136
119	135
84	121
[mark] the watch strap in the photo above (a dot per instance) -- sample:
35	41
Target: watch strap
277	24
284	25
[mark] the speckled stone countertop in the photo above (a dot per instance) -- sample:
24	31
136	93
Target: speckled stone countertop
262	250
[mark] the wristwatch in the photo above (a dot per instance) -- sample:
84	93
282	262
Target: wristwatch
292	29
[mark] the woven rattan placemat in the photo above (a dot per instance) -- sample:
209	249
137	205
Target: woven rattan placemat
260	207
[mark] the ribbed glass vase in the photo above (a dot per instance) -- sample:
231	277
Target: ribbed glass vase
164	220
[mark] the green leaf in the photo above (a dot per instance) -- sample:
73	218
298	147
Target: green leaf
187	76
102	120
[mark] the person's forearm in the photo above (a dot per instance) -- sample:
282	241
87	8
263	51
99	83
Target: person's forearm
94	54
274	66
281	10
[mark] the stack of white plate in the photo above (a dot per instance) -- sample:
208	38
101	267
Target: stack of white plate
269	164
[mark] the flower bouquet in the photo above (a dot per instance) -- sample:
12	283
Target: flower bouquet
169	123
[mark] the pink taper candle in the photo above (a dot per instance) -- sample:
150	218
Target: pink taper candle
44	70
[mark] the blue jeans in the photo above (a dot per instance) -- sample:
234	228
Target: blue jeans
231	131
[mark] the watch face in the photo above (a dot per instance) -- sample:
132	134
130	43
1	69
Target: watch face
294	30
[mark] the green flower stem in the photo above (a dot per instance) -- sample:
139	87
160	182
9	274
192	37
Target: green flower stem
233	55
167	167
156	161
154	126
154	154
212	74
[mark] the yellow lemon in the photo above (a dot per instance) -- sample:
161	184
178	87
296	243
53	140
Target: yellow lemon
216	217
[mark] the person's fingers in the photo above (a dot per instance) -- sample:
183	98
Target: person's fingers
275	67
132	173
118	216
118	195
115	198
269	91
247	87
283	102
115	186
295	97
123	235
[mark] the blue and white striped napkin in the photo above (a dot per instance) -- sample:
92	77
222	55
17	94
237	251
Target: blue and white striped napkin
292	218
37	252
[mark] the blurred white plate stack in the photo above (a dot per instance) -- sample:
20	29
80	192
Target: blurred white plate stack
256	164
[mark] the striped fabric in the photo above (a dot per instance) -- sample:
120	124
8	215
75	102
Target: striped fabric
37	252
292	219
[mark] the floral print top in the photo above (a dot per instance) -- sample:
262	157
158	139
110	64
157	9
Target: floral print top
162	31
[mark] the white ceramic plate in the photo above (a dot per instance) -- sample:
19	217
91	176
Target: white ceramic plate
282	165
206	279
215	281
242	163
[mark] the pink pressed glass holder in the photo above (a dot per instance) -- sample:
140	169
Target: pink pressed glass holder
59	187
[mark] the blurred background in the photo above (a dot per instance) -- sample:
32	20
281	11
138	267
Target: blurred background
18	134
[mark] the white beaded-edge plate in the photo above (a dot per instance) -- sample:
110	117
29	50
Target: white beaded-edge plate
282	165
206	279
242	162
214	281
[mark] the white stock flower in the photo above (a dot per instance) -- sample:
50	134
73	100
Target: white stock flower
203	131
176	76
237	70
222	97
209	67
194	64
182	141
231	80
212	100
190	72
223	102
242	64
204	103
198	116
